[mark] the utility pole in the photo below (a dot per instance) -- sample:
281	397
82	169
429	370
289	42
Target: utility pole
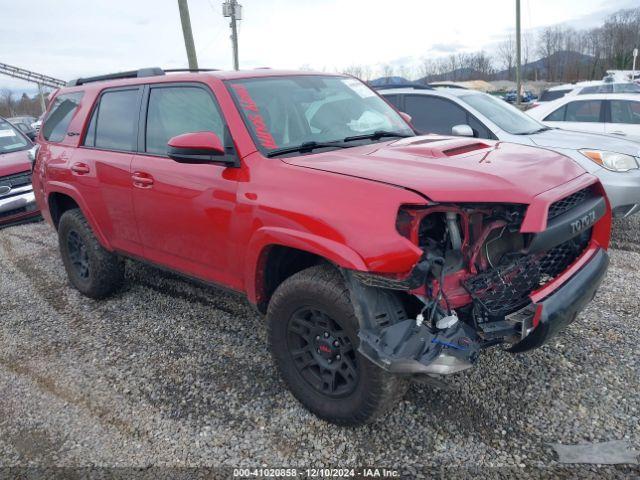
633	73
232	9
188	35
518	48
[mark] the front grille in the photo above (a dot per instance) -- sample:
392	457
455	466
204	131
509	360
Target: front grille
567	203
17	180
507	287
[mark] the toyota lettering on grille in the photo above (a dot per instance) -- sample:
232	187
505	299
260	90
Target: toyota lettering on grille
583	222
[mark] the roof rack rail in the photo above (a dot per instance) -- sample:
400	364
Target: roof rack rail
171	70
142	72
401	85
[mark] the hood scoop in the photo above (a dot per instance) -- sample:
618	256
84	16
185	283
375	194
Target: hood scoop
440	147
461	150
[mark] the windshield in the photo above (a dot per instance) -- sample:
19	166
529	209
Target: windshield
11	139
506	117
290	111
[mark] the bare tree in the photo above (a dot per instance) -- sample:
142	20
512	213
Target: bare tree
507	55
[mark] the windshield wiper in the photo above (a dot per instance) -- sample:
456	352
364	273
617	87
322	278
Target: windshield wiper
306	147
378	134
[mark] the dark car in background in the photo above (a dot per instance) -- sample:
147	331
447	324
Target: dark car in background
24	124
17	202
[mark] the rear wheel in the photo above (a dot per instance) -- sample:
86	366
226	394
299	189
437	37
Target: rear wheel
313	335
93	270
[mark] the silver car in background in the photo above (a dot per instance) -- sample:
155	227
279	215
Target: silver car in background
471	113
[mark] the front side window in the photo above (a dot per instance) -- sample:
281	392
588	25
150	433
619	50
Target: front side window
583	111
434	115
11	140
114	120
57	122
505	116
176	110
625	111
289	111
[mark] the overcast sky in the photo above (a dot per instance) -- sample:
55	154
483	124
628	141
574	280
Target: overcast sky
71	38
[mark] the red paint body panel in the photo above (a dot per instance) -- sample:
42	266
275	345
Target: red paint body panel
218	223
12	164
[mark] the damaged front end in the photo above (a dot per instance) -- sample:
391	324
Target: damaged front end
481	281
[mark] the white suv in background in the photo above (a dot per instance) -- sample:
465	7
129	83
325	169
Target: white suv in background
614	114
449	111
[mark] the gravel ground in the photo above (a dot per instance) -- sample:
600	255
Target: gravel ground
169	374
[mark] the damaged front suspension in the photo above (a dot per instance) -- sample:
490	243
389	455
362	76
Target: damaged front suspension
404	345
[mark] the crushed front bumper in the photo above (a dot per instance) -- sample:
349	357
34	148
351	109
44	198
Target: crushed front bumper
560	308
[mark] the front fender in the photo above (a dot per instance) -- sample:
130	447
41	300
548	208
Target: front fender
265	237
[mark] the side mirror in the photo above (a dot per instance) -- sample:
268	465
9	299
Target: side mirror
406	117
462	131
198	147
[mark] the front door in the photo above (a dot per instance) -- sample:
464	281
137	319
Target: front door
184	211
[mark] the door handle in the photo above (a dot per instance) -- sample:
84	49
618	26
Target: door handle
618	132
80	168
142	180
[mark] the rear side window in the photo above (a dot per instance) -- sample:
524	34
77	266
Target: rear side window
114	121
176	110
57	121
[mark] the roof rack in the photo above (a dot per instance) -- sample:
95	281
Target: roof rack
142	72
402	85
172	70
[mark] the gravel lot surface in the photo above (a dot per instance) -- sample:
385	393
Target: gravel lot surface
167	373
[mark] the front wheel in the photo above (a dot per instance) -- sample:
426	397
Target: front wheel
313	335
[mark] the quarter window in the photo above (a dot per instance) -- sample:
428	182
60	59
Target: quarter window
625	111
557	115
176	110
57	122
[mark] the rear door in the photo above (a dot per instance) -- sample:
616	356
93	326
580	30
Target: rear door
102	166
184	211
623	118
579	115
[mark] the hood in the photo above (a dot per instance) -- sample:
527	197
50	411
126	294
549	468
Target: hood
14	162
557	138
452	169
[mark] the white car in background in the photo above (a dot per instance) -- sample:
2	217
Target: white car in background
470	113
614	114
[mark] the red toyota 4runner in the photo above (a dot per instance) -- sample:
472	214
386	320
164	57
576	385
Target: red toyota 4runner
377	255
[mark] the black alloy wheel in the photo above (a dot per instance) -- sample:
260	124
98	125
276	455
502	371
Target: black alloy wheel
322	352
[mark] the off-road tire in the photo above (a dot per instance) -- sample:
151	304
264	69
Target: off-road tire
104	272
323	288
